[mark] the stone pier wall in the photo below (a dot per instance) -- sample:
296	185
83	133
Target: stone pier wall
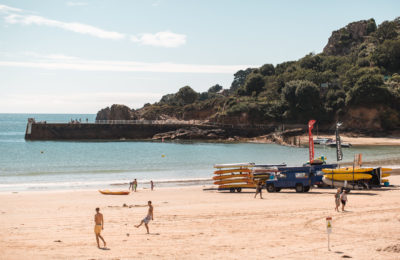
43	131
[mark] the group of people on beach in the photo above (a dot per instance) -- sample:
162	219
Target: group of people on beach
99	223
340	197
134	184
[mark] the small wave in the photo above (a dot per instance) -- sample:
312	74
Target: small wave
85	184
194	180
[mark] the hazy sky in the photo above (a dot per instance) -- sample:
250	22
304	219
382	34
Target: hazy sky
80	56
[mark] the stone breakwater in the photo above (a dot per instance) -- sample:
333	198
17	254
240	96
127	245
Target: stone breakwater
98	131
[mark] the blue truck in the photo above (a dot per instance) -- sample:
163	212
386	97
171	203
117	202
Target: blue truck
299	178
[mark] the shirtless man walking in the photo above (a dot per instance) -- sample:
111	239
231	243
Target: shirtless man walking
147	219
99	225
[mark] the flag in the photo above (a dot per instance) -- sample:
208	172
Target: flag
339	153
311	140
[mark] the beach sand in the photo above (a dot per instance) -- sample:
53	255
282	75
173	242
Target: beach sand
375	141
190	223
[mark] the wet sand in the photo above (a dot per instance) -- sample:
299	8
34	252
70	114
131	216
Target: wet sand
190	223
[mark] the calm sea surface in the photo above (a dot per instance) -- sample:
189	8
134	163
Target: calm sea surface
42	165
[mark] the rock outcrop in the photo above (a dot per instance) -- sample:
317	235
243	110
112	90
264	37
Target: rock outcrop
343	40
116	112
191	133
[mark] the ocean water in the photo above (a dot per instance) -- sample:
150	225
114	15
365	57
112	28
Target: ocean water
44	165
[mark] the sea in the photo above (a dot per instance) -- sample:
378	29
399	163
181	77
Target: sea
58	165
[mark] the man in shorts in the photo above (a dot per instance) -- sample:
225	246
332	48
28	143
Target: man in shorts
147	219
259	189
98	227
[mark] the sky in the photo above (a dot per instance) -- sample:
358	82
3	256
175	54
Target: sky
80	56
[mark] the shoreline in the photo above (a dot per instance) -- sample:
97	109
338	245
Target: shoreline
345	138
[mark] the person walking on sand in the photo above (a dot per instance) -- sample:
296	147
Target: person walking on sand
98	227
135	185
259	189
131	185
151	184
337	199
147	219
343	198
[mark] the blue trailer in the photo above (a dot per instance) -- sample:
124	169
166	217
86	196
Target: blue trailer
299	178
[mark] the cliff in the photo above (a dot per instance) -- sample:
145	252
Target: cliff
356	80
347	38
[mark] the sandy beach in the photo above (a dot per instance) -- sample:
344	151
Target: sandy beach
190	223
359	140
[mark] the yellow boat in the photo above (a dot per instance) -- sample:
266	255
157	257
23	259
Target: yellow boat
237	186
385	174
384	180
232	171
222	177
108	192
348	176
222	182
347	170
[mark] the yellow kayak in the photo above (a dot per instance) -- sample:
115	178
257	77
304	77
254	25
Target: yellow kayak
232	171
231	176
237	186
348	176
222	182
234	165
348	170
108	192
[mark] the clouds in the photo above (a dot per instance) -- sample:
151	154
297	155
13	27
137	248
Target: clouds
73	4
72	102
8	9
161	39
73	27
165	39
64	62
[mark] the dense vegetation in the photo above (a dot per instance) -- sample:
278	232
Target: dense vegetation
360	67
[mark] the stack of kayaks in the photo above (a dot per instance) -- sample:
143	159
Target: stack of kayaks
263	173
234	176
348	176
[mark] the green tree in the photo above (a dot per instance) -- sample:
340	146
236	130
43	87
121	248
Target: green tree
215	89
387	30
312	62
369	90
371	26
267	70
240	78
186	95
254	83
387	55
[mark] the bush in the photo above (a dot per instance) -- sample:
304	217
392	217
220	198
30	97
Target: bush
368	90
254	83
186	95
267	70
